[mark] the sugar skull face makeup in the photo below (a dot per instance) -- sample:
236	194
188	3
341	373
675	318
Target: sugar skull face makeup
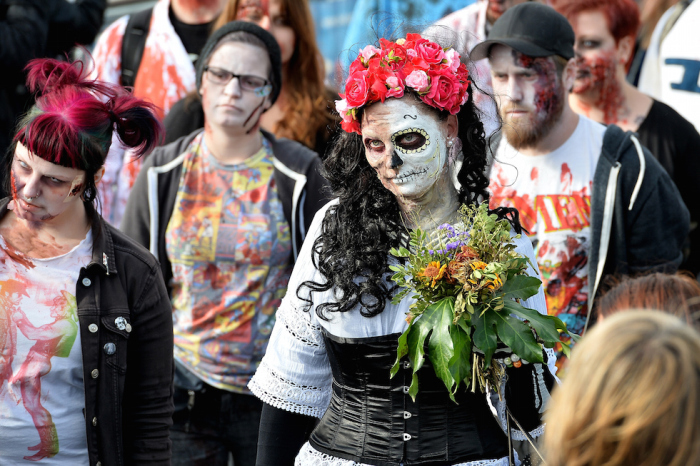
405	143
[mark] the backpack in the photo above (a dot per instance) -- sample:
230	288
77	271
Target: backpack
133	44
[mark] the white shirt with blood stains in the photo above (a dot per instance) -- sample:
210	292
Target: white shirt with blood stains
553	196
165	76
41	367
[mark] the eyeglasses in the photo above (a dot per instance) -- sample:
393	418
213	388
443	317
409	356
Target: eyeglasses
247	82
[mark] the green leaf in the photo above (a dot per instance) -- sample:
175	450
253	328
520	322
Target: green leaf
441	349
485	334
545	326
401	351
460	364
518	336
521	287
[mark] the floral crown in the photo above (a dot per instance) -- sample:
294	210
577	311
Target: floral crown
413	63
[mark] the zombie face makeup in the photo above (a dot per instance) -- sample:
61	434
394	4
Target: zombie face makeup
496	8
228	105
268	14
529	92
599	63
406	144
41	190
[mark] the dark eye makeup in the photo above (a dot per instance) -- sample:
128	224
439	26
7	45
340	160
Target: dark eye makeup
411	140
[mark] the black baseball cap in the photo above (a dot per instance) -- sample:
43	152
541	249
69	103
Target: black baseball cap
533	29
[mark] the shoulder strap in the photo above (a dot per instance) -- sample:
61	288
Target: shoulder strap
133	44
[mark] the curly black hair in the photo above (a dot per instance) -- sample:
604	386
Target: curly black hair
352	251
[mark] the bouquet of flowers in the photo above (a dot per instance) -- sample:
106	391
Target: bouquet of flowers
467	281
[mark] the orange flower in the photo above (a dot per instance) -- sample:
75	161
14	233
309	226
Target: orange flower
467	253
478	265
495	283
433	272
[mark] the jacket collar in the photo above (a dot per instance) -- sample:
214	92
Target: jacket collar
102	244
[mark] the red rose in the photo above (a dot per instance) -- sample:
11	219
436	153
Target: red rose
412	40
443	92
352	126
392	54
356	89
377	88
431	52
356	66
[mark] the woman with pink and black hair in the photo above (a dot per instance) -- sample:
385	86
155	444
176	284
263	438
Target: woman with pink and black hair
85	323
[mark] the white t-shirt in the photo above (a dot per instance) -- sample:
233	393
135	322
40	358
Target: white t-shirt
41	369
671	69
553	196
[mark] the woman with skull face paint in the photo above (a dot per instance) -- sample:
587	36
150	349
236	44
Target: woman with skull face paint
409	120
81	303
225	209
605	34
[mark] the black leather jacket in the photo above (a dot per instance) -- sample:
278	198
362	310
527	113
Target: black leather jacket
122	300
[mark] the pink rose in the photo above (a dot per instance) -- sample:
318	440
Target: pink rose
356	89
395	87
392	81
444	92
411	53
431	52
368	52
452	58
341	106
418	80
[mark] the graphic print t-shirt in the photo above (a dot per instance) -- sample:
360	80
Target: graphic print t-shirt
230	248
41	368
553	196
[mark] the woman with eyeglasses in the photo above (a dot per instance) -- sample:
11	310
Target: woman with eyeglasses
303	111
225	210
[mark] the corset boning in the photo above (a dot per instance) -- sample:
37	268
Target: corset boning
372	419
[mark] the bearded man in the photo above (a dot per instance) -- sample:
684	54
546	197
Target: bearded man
594	201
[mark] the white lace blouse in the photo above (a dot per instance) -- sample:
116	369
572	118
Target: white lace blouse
295	374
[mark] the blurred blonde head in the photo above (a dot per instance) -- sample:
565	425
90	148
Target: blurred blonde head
631	396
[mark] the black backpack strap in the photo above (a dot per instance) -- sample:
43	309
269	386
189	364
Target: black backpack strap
133	43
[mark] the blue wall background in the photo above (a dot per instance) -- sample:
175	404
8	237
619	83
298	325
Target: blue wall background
343	27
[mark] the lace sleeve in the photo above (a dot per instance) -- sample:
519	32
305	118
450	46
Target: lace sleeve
295	374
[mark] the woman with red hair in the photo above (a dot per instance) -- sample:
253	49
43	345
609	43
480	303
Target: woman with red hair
81	303
605	37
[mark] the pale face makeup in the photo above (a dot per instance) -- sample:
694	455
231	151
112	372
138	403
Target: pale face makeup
598	57
529	93
406	144
268	15
43	191
229	106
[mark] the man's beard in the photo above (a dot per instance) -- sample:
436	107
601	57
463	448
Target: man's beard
547	113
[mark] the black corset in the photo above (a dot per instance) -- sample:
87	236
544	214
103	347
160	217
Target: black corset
372	419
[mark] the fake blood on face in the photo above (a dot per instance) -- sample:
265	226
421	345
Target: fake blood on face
597	75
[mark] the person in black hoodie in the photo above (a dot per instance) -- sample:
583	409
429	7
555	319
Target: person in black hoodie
594	201
605	33
225	210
